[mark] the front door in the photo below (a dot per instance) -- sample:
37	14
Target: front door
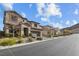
26	31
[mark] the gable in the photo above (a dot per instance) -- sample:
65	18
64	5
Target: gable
12	18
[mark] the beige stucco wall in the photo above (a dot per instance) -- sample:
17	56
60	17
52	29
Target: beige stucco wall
9	20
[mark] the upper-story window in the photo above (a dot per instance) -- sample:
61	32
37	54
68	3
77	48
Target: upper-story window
24	20
14	18
35	25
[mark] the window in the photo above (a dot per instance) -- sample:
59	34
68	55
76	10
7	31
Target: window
14	18
35	25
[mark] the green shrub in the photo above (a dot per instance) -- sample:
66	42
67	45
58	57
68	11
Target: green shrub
11	41
7	41
39	38
19	37
30	39
20	41
2	34
55	35
67	32
30	34
8	35
22	36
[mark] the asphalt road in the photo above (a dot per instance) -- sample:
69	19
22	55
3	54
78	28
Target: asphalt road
65	46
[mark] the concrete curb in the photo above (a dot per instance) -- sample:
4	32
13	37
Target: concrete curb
18	45
22	44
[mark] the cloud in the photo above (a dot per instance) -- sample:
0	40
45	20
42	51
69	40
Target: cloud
53	10
40	8
8	6
48	10
57	25
44	19
68	22
74	22
76	12
23	14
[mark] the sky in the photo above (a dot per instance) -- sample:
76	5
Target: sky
59	15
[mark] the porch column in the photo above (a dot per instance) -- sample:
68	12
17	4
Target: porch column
29	30
22	30
41	34
6	30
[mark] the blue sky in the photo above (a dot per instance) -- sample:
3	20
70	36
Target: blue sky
57	15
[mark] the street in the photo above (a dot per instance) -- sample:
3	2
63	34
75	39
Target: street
65	46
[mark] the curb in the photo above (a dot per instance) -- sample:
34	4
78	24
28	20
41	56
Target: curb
23	44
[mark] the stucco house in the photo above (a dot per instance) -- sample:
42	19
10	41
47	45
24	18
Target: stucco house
17	25
47	31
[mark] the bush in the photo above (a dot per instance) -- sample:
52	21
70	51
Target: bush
55	35
67	32
23	36
30	34
11	41
2	34
20	41
8	35
7	41
49	34
39	38
30	39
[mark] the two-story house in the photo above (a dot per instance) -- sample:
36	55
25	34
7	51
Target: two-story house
47	31
36	29
15	24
